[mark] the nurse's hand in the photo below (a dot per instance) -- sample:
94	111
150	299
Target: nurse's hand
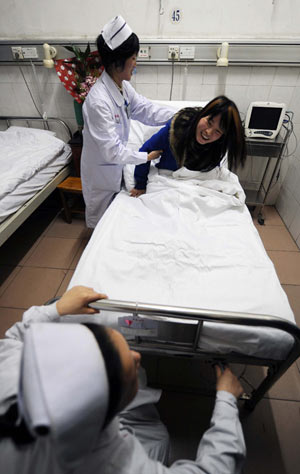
153	155
137	192
76	300
227	381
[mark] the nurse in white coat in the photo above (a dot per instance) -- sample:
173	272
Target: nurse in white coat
61	387
107	111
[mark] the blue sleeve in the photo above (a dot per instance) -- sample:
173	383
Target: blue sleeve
158	141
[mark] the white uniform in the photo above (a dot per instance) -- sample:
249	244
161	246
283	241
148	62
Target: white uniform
107	116
117	450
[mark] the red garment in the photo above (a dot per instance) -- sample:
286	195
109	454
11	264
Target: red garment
77	78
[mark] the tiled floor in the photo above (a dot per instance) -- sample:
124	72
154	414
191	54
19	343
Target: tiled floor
37	263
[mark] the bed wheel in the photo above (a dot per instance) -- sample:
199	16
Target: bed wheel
261	220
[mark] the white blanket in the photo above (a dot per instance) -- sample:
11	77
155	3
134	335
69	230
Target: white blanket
189	242
24	152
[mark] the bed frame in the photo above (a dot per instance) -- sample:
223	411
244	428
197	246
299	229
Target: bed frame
9	225
143	337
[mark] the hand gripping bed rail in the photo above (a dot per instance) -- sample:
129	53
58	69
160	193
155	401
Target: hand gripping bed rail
276	368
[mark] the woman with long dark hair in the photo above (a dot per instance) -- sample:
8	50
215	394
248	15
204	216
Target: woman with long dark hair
197	138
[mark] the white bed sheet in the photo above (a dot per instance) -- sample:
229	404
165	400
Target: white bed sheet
11	202
189	242
29	159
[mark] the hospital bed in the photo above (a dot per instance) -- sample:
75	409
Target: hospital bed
187	262
33	161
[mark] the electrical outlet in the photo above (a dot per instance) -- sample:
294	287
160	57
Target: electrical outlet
144	52
29	53
187	52
17	52
173	53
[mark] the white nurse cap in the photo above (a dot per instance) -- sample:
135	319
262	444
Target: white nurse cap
115	32
64	388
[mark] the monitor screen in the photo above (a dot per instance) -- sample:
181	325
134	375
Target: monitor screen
265	118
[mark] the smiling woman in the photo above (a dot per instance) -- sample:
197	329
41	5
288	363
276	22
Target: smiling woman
197	138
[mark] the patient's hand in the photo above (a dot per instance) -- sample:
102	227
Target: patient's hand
137	192
153	155
76	300
228	381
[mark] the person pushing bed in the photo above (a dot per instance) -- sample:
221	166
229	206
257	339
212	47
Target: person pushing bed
70	402
107	111
198	139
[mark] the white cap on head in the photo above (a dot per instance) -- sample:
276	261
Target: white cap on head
64	388
115	32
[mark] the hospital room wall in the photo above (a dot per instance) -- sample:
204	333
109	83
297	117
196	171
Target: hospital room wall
242	84
239	19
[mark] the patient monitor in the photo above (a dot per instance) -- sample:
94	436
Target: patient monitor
264	119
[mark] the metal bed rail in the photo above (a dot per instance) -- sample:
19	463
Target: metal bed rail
276	368
45	121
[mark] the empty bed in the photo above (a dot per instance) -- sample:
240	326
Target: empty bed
32	163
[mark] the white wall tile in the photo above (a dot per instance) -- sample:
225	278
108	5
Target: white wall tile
294	104
239	95
208	91
258	93
192	92
298	241
238	75
215	75
23	98
164	74
146	75
281	94
287	206
8	103
261	76
294	228
149	90
291	180
195	76
286	76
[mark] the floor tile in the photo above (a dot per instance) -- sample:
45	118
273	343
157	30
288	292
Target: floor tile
7	274
293	294
8	317
287	265
287	422
65	283
17	249
271	216
286	388
77	257
276	238
262	441
60	228
32	286
54	252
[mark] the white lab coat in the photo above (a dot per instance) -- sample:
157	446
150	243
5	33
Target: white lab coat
105	136
117	450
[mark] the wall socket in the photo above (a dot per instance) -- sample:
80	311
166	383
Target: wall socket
144	52
17	52
173	53
24	52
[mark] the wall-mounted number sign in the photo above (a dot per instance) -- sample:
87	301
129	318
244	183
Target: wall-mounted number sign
176	15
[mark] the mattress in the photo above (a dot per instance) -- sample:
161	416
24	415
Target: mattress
189	241
29	159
